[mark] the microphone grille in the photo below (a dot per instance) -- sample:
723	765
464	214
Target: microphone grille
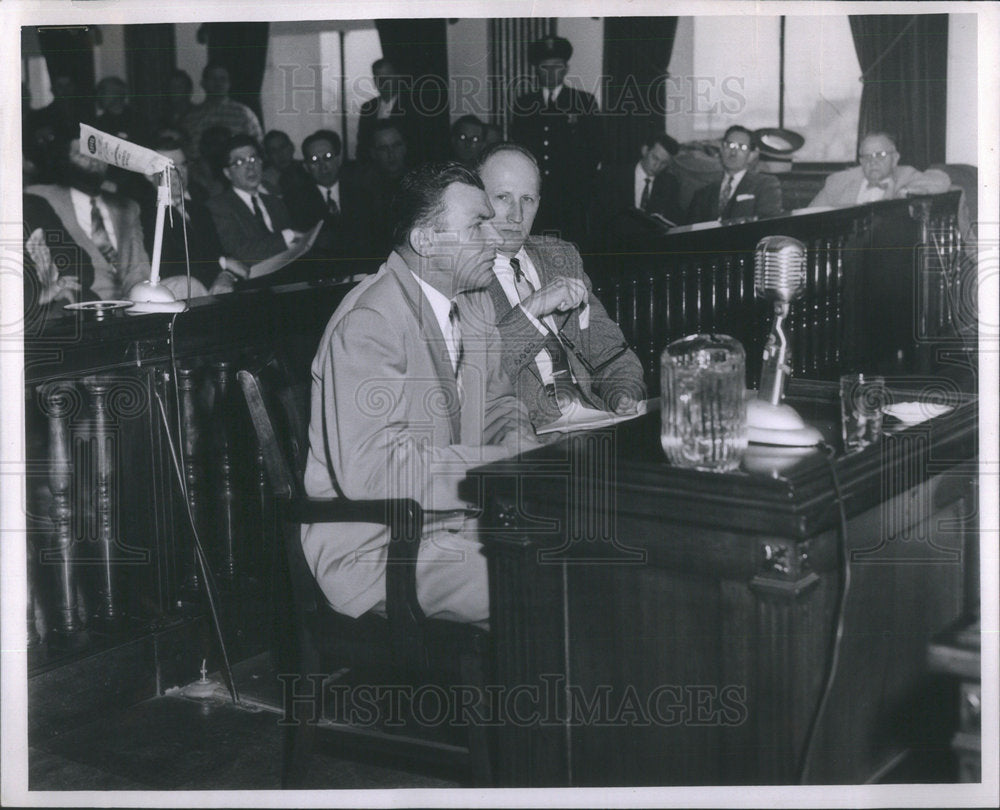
779	267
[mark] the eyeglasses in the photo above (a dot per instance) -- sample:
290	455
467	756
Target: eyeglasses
473	138
871	157
733	146
241	162
326	158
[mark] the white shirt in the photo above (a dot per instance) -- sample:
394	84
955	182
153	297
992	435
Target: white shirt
505	275
441	307
868	193
640	183
335	189
287	234
385	107
81	207
554	93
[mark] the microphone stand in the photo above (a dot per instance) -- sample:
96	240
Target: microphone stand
151	296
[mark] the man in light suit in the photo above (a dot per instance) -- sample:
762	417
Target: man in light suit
742	193
107	226
403	404
559	344
252	224
878	177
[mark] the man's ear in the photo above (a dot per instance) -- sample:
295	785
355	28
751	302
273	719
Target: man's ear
228	174
421	241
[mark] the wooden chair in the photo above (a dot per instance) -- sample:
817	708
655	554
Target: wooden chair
403	644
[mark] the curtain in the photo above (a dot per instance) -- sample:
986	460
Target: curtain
418	49
509	39
904	71
636	54
150	52
241	47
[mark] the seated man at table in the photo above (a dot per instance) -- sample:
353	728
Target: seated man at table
252	224
106	226
403	404
559	344
742	192
878	177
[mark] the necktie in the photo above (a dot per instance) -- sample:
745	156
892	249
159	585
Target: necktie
331	204
521	283
456	337
258	213
884	185
644	200
100	235
724	195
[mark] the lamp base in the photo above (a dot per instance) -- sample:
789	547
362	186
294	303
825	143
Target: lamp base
779	425
153	298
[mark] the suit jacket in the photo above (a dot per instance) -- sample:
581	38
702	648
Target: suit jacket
613	215
842	188
387	422
110	282
597	338
241	233
757	195
568	144
203	245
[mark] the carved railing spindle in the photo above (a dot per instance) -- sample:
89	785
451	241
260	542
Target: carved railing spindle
226	517
191	442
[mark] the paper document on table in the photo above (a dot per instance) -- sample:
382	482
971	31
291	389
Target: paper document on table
580	417
300	247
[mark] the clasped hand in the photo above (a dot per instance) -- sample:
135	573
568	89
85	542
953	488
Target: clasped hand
559	295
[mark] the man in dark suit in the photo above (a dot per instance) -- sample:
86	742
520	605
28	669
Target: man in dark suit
559	343
742	193
389	105
252	224
560	126
628	190
329	193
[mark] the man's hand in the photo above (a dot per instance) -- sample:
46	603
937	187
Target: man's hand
237	268
559	295
625	405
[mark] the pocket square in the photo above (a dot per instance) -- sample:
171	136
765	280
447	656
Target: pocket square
742	197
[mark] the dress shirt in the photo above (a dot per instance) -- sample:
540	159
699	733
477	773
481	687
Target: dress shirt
385	107
335	189
640	184
287	234
81	207
869	193
737	179
549	96
441	307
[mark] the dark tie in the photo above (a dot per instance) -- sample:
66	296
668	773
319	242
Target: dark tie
258	213
331	204
521	283
100	236
725	193
644	200
454	318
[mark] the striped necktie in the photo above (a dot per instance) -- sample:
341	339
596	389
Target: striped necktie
331	204
726	193
644	200
99	234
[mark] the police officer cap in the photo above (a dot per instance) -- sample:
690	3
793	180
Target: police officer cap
549	48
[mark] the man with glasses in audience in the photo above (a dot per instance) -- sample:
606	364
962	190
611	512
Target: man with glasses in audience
559	344
742	193
878	177
252	224
468	136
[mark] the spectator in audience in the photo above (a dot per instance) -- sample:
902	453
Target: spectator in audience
211	271
115	115
561	127
467	139
105	225
391	104
397	337
57	270
204	169
380	179
645	186
69	108
177	102
491	134
281	169
559	344
219	109
252	224
878	177
331	195
743	192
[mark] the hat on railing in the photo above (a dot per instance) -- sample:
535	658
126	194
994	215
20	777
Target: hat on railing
549	48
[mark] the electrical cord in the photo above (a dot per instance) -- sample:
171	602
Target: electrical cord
838	633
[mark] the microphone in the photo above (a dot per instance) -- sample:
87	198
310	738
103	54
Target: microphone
780	277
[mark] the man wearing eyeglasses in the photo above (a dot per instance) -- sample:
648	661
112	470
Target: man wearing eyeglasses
468	137
742	193
559	344
878	177
252	224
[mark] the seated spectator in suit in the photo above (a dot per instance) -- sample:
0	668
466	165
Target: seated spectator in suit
177	102
219	110
204	169
212	272
878	177
644	186
468	136
115	115
398	338
57	271
281	169
380	179
559	344
742	192
252	224
105	225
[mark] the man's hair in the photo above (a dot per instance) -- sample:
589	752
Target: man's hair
276	133
420	198
166	141
880	134
236	142
322	135
669	144
107	82
506	146
382	62
468	119
215	65
184	77
386	124
738	128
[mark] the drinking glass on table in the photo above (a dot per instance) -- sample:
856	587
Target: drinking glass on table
862	397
